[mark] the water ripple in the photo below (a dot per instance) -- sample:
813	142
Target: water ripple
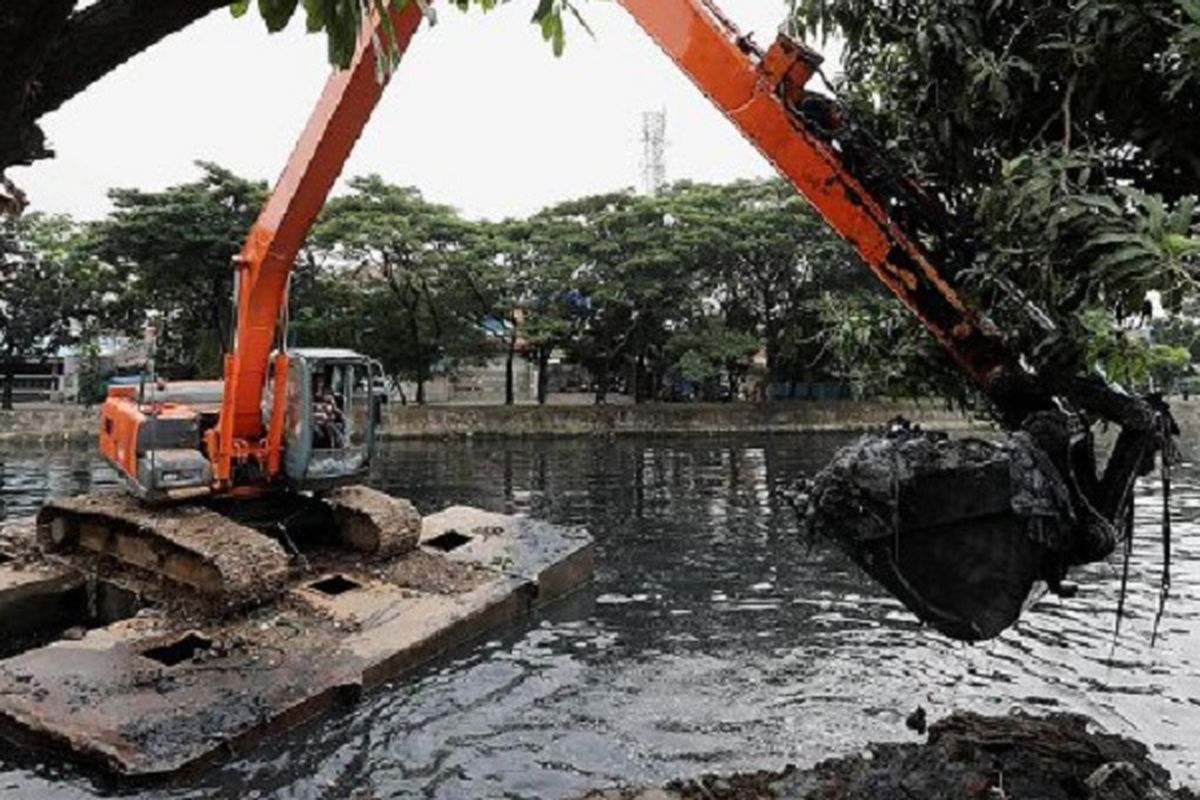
715	638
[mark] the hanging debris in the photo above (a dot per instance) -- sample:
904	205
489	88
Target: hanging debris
966	532
959	531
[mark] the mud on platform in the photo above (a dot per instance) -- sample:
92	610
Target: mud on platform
145	679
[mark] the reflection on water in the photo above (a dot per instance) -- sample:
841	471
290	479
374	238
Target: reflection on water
714	638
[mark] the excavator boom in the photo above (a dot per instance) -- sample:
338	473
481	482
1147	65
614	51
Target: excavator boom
171	445
271	246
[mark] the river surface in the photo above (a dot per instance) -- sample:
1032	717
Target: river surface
715	638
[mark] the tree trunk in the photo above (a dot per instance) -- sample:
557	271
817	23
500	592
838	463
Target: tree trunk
639	378
542	377
509	393
602	385
421	367
414	331
770	346
221	307
103	36
10	379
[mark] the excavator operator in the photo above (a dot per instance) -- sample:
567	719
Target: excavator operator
329	423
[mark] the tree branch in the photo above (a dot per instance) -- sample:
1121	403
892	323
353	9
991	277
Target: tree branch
28	29
102	37
49	54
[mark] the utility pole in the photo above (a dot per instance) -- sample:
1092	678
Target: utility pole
654	151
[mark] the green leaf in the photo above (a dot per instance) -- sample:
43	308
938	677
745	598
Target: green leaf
276	13
559	39
315	15
1104	239
1178	245
342	28
1184	215
239	8
542	11
1101	202
1124	255
1156	214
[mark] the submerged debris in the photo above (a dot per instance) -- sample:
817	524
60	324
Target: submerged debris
966	757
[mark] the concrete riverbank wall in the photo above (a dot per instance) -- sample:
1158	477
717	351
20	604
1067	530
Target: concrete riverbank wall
655	418
71	425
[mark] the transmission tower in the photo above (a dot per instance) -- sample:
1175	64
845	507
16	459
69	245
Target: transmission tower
654	151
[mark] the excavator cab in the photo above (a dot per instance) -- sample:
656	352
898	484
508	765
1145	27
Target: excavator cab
153	434
329	418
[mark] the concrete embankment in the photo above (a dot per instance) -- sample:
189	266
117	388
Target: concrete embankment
648	419
71	425
67	424
49	425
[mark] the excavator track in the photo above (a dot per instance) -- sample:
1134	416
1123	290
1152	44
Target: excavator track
227	562
373	522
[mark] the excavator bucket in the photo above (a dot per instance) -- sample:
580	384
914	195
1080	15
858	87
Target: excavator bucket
370	521
960	531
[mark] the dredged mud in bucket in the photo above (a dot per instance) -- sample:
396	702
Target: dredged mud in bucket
961	531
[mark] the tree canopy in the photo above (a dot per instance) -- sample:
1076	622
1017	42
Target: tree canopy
404	258
1058	136
171	253
700	292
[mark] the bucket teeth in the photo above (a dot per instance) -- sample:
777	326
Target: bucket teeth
225	561
373	522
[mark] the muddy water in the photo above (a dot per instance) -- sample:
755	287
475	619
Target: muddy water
713	638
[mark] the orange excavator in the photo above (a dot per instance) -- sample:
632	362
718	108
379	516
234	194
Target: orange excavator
304	420
250	445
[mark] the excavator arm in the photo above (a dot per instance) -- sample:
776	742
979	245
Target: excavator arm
764	96
266	259
762	93
905	239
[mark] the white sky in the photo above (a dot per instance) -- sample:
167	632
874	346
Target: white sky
481	115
